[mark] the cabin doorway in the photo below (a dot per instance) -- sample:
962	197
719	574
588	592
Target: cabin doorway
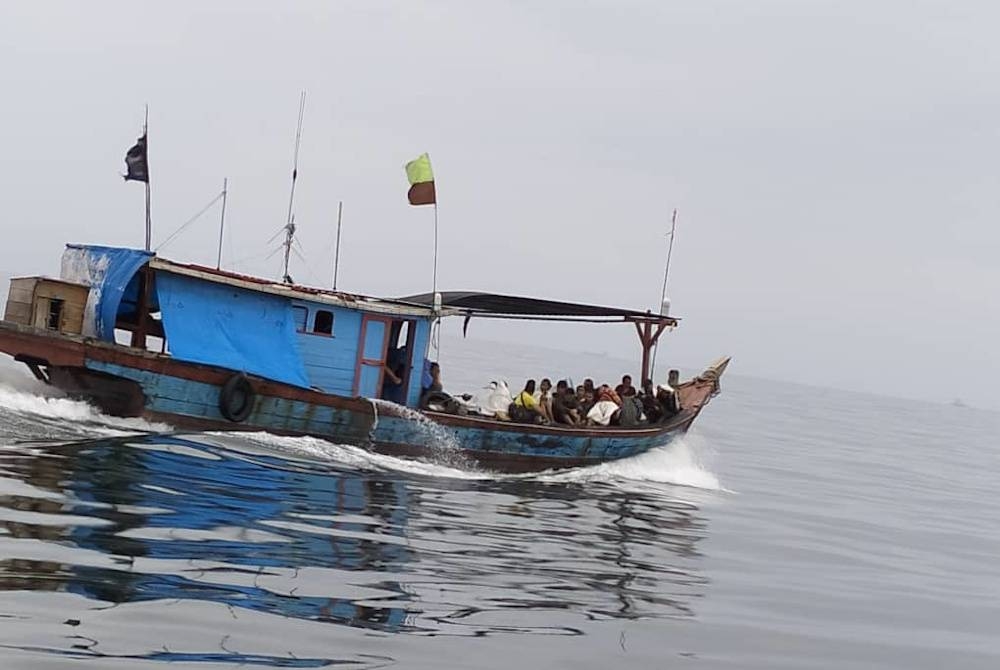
399	361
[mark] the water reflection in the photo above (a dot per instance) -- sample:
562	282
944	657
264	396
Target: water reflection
177	521
223	510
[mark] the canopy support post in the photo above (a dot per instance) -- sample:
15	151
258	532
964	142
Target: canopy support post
648	339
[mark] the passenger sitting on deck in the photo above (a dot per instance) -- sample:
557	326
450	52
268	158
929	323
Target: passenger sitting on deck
674	379
631	413
650	406
666	395
525	408
565	407
647	388
605	410
605	392
544	398
435	384
584	399
625	389
430	382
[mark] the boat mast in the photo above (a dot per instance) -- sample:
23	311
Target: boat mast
336	254
664	305
222	221
145	139
290	221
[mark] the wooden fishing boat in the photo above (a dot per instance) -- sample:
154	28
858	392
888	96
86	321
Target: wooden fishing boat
197	347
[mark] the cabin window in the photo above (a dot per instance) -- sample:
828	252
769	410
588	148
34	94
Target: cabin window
324	322
55	314
301	316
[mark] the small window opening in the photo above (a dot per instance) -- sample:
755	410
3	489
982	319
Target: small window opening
324	322
55	313
301	316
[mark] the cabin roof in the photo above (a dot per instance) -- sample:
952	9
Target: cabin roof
52	280
326	296
497	306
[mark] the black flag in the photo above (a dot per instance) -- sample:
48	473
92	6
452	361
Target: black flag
135	162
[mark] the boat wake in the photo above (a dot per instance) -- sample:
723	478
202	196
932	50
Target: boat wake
682	462
315	449
42	409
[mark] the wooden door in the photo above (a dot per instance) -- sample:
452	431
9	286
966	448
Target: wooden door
372	349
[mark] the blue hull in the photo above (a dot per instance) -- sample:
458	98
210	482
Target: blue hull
391	429
519	446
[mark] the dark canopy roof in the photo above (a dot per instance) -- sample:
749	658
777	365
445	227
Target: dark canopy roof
494	305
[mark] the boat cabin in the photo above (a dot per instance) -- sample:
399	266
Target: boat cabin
51	304
328	341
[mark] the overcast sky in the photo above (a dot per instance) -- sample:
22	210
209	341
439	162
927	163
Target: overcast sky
834	163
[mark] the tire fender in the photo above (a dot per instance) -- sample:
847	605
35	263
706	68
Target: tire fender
236	399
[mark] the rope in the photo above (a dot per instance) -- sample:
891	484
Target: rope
189	222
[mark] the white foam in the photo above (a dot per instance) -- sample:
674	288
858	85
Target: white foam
45	402
682	462
444	445
438	437
316	449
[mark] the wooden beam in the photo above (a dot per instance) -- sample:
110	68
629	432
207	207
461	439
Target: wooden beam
647	344
659	331
142	309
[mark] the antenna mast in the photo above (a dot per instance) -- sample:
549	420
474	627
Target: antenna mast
336	256
222	221
289	236
290	222
664	305
670	250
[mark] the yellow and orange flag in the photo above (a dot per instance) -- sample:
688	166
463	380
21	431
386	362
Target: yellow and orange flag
421	177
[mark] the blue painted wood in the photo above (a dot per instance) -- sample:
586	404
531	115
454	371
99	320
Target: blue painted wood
397	430
330	361
165	394
172	395
373	358
374	339
421	341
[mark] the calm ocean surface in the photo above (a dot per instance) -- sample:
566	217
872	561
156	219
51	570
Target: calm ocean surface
794	527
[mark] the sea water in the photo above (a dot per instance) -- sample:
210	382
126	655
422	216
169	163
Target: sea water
794	527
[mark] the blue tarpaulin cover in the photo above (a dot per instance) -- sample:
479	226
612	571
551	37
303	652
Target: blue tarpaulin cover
230	327
108	271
